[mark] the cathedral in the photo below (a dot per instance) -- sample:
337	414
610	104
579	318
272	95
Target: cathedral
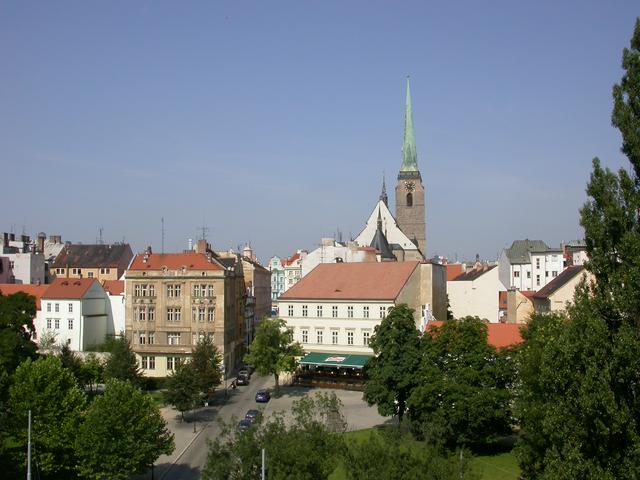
403	237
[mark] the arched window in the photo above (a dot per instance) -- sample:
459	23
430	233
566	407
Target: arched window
409	199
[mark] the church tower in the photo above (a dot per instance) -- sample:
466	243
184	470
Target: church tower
410	205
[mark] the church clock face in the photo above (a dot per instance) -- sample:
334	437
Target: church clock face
409	186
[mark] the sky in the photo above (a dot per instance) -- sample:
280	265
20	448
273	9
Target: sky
273	123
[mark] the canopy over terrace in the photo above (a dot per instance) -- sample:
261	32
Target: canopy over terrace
335	360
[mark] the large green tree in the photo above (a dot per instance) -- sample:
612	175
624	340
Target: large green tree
182	389
123	434
579	373
122	363
205	362
392	371
463	396
273	350
50	391
17	312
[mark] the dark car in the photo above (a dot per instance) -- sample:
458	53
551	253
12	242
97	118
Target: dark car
244	424
242	380
263	396
252	415
248	368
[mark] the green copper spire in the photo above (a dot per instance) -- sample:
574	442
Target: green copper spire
409	153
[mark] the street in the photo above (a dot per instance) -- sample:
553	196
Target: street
190	455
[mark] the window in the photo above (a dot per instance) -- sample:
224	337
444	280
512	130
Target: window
144	290
305	336
152	314
203	291
365	338
105	270
334	337
12	264
537	263
365	312
201	314
383	312
141	314
409	199
546	274
173	363
554	273
151	337
210	291
173	339
174	291
148	362
49	323
57	307
334	311
211	315
57	323
75	271
70	323
173	314
319	335
538	280
516	274
304	310
142	338
48	306
290	310
528	274
349	338
350	311
89	274
71	308
319	311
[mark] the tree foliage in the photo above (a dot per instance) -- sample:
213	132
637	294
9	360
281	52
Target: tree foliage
50	391
579	372
17	312
273	351
463	396
183	391
122	363
123	434
303	448
205	362
392	372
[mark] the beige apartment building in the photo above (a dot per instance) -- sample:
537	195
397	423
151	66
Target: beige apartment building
102	262
173	300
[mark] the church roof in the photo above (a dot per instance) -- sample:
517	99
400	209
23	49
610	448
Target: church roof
380	242
390	228
409	152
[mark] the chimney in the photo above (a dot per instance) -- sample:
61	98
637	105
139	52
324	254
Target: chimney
41	238
190	245
201	246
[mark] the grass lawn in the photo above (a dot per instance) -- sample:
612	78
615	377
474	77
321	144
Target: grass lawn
501	466
158	398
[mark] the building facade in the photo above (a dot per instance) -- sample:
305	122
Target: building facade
103	262
277	279
529	265
557	294
476	293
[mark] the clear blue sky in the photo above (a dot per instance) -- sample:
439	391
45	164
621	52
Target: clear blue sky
272	122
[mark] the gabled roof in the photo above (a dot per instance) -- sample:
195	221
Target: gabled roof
380	242
392	231
69	288
499	335
521	249
353	281
174	261
113	287
93	256
453	270
558	282
34	290
473	274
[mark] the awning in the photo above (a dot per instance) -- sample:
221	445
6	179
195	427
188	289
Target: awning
335	360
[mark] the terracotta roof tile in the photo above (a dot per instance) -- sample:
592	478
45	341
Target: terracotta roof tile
453	270
113	287
353	281
156	261
499	335
69	288
34	290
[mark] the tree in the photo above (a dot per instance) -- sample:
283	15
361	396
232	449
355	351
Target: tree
122	363
273	350
392	371
91	371
56	403
303	448
70	361
17	312
205	362
183	390
463	396
123	434
579	372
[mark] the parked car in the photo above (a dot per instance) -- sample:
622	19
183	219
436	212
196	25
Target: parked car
252	415
248	368
244	424
242	380
263	396
244	373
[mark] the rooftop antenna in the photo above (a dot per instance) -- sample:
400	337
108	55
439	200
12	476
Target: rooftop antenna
204	229
162	226
100	235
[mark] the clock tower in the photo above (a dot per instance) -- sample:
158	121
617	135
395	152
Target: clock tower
410	205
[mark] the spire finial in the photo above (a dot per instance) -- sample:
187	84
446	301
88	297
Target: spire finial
383	195
409	152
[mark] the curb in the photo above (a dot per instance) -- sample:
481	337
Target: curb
182	452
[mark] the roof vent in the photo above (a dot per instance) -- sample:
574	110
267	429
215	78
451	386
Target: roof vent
65	283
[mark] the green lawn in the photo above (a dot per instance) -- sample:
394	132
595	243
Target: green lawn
158	398
502	466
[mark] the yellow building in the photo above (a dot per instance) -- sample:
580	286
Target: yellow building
173	300
103	262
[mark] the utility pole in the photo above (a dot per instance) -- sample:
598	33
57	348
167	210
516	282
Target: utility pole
263	464
162	223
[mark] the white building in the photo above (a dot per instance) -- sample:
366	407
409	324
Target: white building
292	268
476	293
332	251
277	278
116	306
529	265
26	267
75	310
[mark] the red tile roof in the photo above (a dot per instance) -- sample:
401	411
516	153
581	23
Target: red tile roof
69	288
353	281
156	261
499	335
113	287
290	260
35	290
453	270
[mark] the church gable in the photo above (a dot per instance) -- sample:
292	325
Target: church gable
389	227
